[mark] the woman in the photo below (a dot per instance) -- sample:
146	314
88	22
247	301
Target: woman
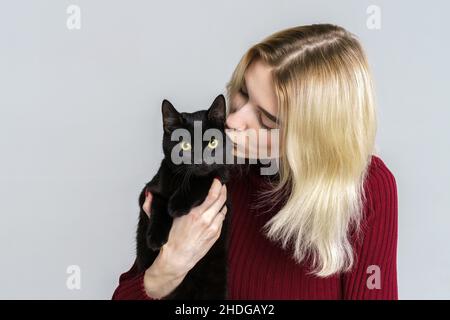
333	235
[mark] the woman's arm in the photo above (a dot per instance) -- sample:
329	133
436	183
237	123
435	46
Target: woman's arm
374	275
131	286
153	284
190	238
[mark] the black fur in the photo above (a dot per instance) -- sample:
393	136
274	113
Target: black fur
178	188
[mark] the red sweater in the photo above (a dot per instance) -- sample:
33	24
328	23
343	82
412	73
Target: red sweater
260	269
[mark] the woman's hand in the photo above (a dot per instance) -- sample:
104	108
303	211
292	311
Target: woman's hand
190	238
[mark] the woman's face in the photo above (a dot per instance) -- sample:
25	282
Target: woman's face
251	123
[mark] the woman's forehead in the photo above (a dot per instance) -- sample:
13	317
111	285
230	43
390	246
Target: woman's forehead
258	82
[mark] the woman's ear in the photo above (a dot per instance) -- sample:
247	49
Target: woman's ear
217	111
171	117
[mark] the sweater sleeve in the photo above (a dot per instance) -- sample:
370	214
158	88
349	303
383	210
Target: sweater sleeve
374	273
131	286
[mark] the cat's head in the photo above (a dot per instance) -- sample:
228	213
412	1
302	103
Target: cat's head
196	139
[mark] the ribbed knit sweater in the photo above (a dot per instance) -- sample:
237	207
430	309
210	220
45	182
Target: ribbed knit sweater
260	269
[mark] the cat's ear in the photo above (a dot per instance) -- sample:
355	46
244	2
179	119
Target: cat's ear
217	111
171	117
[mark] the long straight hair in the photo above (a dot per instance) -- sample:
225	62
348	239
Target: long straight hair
326	103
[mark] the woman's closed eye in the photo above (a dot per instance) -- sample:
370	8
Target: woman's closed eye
243	93
263	120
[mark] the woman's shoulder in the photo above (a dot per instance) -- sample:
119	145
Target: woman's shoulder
380	189
379	176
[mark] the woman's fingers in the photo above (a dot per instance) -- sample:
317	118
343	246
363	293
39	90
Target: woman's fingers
215	207
147	203
218	219
216	224
213	194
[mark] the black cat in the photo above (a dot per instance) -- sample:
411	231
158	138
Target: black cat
176	188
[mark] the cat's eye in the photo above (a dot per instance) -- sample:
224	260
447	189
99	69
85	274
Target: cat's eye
186	146
213	143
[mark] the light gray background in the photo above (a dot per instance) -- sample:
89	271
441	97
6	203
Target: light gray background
80	124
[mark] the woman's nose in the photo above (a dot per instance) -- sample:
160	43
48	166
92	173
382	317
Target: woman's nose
237	120
234	122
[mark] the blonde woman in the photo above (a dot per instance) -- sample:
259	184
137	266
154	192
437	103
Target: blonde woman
323	227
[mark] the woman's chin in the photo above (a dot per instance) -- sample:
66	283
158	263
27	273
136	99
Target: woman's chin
244	154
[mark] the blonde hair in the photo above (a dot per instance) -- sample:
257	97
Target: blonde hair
326	104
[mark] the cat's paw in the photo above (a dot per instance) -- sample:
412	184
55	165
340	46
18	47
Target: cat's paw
154	242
